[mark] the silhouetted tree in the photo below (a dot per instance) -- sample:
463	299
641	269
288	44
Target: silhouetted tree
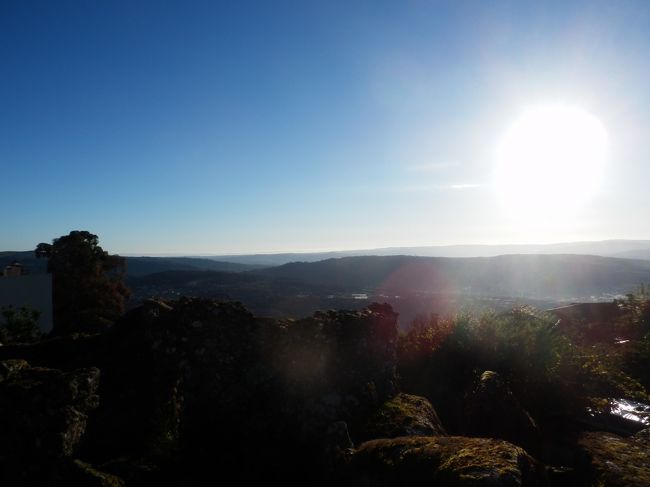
88	288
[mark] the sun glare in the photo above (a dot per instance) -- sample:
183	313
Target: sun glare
550	161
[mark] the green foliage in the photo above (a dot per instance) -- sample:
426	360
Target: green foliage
426	334
547	372
605	373
435	359
88	288
636	360
634	356
636	306
19	325
527	347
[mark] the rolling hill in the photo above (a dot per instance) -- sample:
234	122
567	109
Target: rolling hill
412	285
557	277
141	266
137	266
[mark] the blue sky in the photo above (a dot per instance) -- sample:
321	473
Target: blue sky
231	127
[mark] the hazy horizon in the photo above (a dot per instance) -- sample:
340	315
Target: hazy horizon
205	128
628	244
441	246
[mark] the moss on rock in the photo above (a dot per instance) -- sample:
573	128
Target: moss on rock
404	415
446	461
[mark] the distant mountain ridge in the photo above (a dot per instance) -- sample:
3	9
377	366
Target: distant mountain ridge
137	266
634	249
142	265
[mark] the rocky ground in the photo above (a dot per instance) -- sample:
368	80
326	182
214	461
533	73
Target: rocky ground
179	392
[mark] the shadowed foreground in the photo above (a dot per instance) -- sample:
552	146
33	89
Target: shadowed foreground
178	392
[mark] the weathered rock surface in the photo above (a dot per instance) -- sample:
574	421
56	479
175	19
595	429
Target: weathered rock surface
335	365
403	415
615	461
43	417
492	411
445	461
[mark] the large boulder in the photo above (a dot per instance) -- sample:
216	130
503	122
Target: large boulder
492	411
43	417
403	415
615	461
142	386
335	366
445	461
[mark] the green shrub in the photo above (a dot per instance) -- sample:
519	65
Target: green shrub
548	373
19	325
636	360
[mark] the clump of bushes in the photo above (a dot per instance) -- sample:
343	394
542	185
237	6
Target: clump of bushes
550	375
636	308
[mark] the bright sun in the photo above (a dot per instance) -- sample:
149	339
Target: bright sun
550	161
